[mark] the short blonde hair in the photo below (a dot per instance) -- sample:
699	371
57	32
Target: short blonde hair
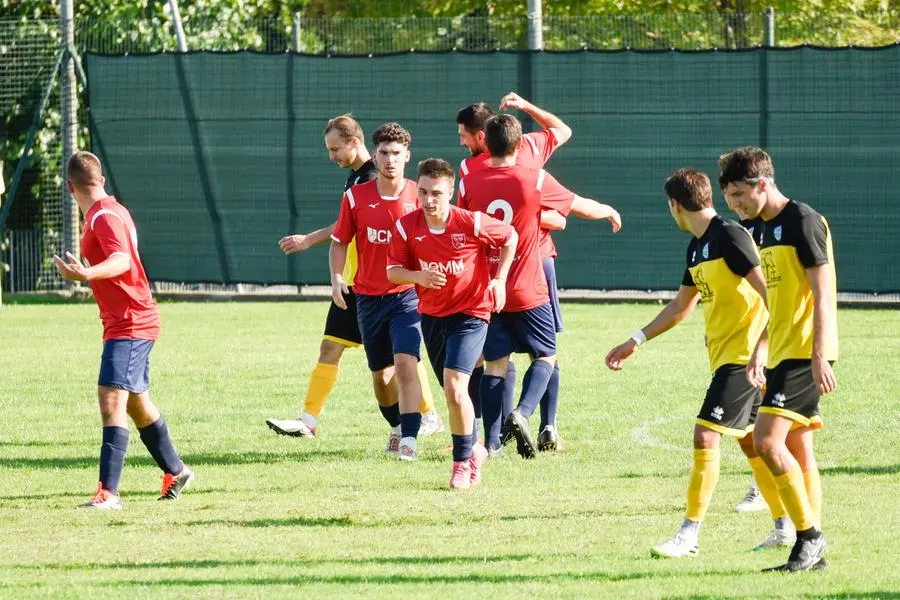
346	127
84	169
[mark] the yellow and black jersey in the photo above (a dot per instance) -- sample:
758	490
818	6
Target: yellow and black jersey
367	172
735	314
797	239
755	228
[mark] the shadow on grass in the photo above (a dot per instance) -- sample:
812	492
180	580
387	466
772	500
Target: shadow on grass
300	562
85	493
400	578
863	470
215	459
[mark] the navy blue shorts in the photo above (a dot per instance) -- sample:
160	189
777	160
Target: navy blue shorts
389	325
125	365
531	332
454	342
550	274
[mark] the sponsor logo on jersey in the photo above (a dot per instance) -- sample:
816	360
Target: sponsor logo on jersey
450	267
706	250
379	236
777	233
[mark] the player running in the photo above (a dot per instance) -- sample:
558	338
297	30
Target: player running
346	147
130	327
798	262
516	195
443	250
387	313
723	273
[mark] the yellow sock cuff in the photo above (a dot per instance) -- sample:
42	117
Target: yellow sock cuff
706	454
427	404
792	489
325	370
766	483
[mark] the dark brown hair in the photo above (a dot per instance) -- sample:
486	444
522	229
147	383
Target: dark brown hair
83	169
747	164
391	132
474	116
502	134
690	188
435	168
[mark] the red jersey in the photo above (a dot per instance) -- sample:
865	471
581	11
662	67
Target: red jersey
127	308
514	195
535	150
370	217
460	251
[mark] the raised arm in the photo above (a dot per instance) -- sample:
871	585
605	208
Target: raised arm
585	208
545	119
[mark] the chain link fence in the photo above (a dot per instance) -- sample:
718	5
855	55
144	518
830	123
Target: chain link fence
27	49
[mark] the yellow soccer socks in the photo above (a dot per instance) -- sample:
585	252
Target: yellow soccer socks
813	484
427	398
321	382
792	489
766	483
704	476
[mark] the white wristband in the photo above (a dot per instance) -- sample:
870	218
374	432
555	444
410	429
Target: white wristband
638	337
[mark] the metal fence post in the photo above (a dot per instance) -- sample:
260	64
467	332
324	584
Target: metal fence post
180	40
535	26
68	103
295	29
770	27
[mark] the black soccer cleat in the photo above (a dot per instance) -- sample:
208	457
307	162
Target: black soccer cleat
174	484
506	434
805	555
547	439
518	424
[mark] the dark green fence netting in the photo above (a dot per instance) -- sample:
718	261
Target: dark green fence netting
218	155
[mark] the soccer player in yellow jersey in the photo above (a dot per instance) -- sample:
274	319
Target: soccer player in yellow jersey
798	263
723	272
346	147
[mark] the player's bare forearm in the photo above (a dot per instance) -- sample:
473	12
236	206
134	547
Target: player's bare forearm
507	254
823	306
401	276
757	281
113	266
585	208
337	258
548	120
552	220
319	236
674	312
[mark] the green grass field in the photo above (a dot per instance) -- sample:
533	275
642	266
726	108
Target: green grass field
331	517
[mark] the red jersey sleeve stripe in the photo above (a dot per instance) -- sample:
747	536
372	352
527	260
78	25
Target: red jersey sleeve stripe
102	212
540	179
531	143
401	231
463	168
477	223
351	199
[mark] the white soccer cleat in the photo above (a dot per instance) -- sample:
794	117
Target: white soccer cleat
779	538
431	423
294	428
678	546
753	501
393	445
407	449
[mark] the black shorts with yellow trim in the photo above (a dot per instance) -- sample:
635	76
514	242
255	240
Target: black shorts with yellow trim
341	325
731	402
791	393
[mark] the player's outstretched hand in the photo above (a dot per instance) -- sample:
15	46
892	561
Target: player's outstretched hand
513	100
497	291
293	243
620	354
71	271
616	219
823	375
338	289
432	280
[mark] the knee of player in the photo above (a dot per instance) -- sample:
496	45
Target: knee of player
767	446
456	387
112	401
382	378
330	352
705	438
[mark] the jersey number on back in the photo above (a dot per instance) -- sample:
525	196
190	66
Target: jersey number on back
502	207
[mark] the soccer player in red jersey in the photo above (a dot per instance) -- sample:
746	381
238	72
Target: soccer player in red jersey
516	195
130	326
346	147
444	251
387	313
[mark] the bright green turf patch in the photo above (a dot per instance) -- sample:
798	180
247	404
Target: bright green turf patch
330	517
